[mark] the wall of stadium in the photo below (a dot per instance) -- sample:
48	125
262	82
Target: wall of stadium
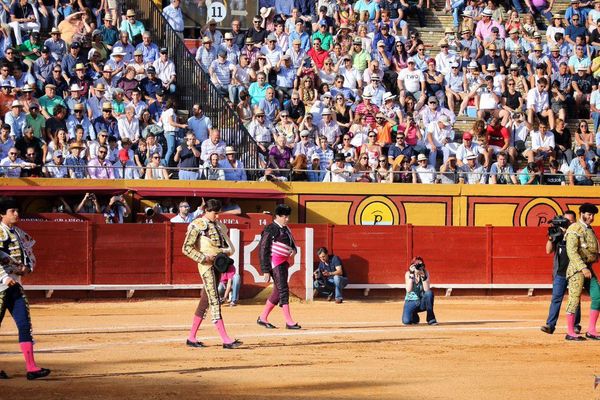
375	204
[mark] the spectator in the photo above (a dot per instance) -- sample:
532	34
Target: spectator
258	89
117	210
221	71
11	166
174	16
212	171
6	142
563	142
213	145
188	158
107	122
184	215
440	137
165	70
501	172
100	167
411	82
554	177
423	173
88	205
363	172
233	168
299	169
542	144
538	104
155	169
530	175
22	17
471	172
340	171
580	170
583	84
56	167
449	171
75	164
199	123
585	139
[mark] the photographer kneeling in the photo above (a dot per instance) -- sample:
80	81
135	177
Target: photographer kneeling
556	244
419	296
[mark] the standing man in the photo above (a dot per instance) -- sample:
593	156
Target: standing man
185	216
582	250
330	276
205	239
16	260
558	246
277	247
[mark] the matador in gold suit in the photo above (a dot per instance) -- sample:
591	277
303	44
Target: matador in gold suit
206	237
582	250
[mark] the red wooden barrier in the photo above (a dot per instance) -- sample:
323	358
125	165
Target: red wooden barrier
87	253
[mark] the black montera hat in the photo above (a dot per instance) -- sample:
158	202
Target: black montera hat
283	209
588	208
222	262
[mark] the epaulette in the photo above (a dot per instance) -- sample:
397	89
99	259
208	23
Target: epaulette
3	234
199	223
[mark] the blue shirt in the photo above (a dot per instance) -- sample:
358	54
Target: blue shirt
151	53
304	39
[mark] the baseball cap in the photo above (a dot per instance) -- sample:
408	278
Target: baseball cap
467	136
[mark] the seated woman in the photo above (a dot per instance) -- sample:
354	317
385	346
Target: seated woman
419	296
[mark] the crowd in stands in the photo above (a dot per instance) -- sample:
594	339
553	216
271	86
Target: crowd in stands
330	91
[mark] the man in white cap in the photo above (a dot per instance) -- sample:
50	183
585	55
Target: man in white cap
305	146
16	118
233	168
329	128
440	137
471	172
206	54
484	26
56	45
233	52
423	172
174	16
56	168
411	82
210	30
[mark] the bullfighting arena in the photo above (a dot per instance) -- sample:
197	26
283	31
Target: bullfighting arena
484	348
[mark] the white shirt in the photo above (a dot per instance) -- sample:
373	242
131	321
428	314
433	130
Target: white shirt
462	152
128	129
351	77
411	79
438	135
537	141
331	130
536	100
425	174
164	70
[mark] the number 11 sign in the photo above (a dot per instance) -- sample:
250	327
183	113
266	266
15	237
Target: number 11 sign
216	11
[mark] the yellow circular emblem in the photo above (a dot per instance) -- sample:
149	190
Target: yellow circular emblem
376	210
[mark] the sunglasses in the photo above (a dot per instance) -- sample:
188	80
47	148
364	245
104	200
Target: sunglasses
12	154
156	157
399	137
372	135
101	152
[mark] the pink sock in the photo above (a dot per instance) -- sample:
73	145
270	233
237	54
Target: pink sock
221	329
27	350
571	324
195	327
593	319
264	317
287	315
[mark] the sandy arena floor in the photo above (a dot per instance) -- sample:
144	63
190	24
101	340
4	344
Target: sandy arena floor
484	348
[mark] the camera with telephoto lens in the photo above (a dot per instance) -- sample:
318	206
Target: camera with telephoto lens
555	230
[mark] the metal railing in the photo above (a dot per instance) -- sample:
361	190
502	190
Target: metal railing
194	85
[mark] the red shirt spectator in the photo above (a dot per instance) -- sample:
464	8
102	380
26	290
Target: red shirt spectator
317	54
497	135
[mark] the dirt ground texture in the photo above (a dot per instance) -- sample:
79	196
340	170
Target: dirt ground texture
484	348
